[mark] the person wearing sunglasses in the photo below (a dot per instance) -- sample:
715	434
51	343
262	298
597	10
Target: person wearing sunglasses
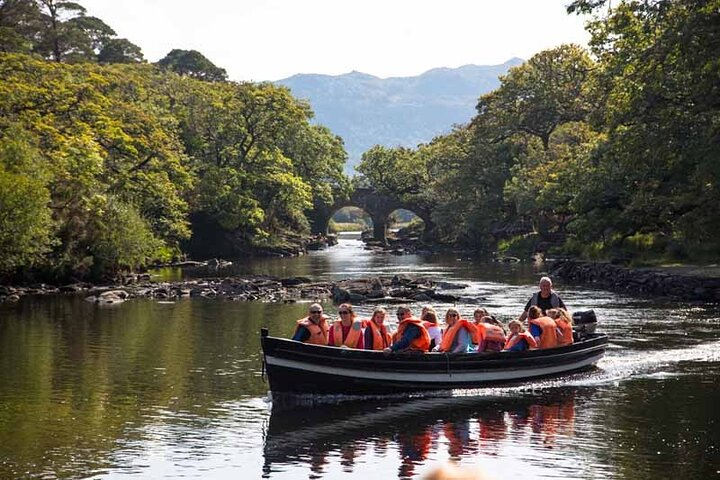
313	328
411	335
346	331
460	335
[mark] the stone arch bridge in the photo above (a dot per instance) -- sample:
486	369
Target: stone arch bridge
377	205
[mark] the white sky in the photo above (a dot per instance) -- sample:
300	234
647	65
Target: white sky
274	39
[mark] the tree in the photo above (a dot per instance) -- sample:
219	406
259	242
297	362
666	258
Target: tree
539	95
193	64
659	87
19	24
104	134
25	217
119	50
68	34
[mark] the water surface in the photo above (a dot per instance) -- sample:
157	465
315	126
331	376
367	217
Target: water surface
152	389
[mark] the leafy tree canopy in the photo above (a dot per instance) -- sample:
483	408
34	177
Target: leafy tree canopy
193	64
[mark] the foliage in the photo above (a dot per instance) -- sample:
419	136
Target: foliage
193	64
25	217
130	148
260	163
660	89
613	155
61	31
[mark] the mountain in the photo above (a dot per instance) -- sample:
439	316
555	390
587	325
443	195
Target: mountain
401	111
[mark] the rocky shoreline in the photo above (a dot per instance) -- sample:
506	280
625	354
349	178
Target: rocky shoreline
662	282
378	290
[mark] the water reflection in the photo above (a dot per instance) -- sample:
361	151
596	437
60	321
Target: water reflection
459	428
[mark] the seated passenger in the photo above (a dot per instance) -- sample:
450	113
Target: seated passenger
519	338
376	334
479	313
429	319
460	336
411	335
313	328
491	335
564	325
544	329
346	331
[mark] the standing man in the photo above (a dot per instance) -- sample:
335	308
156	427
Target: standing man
313	328
545	299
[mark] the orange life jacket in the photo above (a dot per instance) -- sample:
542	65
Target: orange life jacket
318	331
490	332
421	343
514	339
565	333
548	337
380	335
353	335
451	333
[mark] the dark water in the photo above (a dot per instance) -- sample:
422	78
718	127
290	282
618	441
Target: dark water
174	390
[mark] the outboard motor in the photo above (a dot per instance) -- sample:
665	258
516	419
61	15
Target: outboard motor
584	323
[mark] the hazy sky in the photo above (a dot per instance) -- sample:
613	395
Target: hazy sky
273	39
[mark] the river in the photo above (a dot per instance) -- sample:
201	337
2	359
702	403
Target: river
150	389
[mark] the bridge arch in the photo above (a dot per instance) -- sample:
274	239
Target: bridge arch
377	205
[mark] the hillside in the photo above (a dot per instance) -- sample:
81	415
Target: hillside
367	110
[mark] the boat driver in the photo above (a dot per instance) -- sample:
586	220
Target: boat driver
545	299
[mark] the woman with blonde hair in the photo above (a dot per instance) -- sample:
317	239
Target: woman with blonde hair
519	338
460	334
564	323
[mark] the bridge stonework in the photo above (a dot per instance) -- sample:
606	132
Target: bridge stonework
378	206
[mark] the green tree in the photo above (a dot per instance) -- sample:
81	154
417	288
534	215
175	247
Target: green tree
119	50
25	219
193	64
103	133
659	89
20	20
539	95
68	34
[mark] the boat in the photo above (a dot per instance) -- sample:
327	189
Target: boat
299	369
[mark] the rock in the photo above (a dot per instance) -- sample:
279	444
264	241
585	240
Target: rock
294	281
357	298
73	288
443	297
451	286
340	295
421	297
110	297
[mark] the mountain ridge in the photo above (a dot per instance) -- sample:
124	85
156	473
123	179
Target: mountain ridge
366	110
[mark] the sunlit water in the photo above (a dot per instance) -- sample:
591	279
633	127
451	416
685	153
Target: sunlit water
175	390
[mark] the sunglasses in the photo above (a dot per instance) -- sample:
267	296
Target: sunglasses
344	312
315	311
452	314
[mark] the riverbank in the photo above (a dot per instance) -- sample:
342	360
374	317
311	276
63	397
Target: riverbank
379	290
685	282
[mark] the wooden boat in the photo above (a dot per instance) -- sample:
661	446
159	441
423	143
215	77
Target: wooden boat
295	368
